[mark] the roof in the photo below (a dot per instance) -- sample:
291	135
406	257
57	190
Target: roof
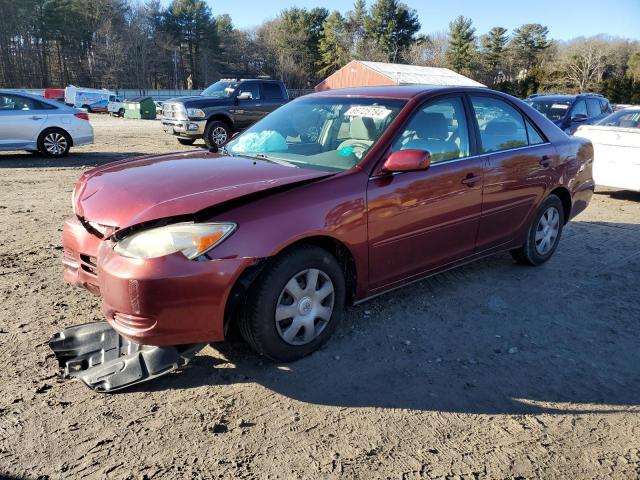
553	98
414	74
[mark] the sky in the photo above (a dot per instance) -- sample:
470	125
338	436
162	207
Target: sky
566	19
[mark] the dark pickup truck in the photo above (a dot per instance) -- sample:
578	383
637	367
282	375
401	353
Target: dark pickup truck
226	107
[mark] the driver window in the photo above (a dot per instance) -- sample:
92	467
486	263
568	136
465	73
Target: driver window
252	88
440	128
580	108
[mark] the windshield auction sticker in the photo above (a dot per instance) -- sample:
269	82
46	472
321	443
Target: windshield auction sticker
373	111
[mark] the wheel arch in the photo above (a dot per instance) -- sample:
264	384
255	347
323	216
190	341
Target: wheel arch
54	128
565	197
332	245
223	118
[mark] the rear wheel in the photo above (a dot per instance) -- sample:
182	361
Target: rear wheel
295	305
87	108
544	234
186	141
54	142
216	134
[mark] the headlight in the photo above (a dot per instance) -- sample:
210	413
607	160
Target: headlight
191	239
195	112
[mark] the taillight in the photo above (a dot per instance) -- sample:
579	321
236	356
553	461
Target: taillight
83	116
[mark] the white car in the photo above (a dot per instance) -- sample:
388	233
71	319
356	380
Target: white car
616	144
115	106
36	124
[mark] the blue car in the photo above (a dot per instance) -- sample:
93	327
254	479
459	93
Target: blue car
568	112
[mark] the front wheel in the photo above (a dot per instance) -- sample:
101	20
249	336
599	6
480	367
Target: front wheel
544	234
54	143
216	134
295	305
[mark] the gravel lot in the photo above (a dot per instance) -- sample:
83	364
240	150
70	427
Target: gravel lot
493	370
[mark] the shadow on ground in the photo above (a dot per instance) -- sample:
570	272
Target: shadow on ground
79	159
473	340
621	195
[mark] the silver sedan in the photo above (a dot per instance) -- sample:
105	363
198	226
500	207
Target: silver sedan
36	124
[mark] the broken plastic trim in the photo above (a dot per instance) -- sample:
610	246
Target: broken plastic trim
106	361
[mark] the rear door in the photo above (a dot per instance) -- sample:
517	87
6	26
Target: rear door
273	97
518	169
420	221
21	119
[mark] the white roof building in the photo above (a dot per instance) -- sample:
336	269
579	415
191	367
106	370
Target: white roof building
358	73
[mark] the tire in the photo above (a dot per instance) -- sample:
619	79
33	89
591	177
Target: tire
121	112
87	108
186	141
54	142
216	134
315	313
544	234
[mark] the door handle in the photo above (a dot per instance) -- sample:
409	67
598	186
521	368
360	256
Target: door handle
470	180
35	117
545	161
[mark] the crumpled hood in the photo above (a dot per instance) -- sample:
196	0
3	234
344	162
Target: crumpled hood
130	192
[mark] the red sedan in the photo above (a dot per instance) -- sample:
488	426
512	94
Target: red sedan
332	199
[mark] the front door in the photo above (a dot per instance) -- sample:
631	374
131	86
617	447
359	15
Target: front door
248	109
419	221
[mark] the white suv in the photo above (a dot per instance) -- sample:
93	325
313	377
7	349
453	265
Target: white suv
36	124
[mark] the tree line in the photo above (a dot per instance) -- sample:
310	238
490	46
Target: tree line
129	44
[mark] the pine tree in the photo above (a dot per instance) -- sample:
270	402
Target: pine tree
333	46
392	27
462	44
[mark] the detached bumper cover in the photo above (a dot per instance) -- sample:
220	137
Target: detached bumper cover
106	361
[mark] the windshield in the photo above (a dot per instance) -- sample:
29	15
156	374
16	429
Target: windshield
623	118
554	110
325	133
220	89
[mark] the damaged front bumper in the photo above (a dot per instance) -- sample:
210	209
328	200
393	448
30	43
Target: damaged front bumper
106	361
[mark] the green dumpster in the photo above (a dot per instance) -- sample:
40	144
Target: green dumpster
140	107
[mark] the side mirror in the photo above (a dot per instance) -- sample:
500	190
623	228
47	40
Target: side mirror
408	160
579	117
244	96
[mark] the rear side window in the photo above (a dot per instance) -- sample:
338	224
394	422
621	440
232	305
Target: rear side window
605	107
440	128
534	136
502	127
272	91
593	107
16	102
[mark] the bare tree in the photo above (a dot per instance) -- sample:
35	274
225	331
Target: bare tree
584	63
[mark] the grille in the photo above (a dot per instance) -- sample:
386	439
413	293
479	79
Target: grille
89	264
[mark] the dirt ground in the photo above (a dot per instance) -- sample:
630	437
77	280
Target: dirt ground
491	371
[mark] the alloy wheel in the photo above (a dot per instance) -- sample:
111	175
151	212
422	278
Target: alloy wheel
304	307
547	230
219	136
55	143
